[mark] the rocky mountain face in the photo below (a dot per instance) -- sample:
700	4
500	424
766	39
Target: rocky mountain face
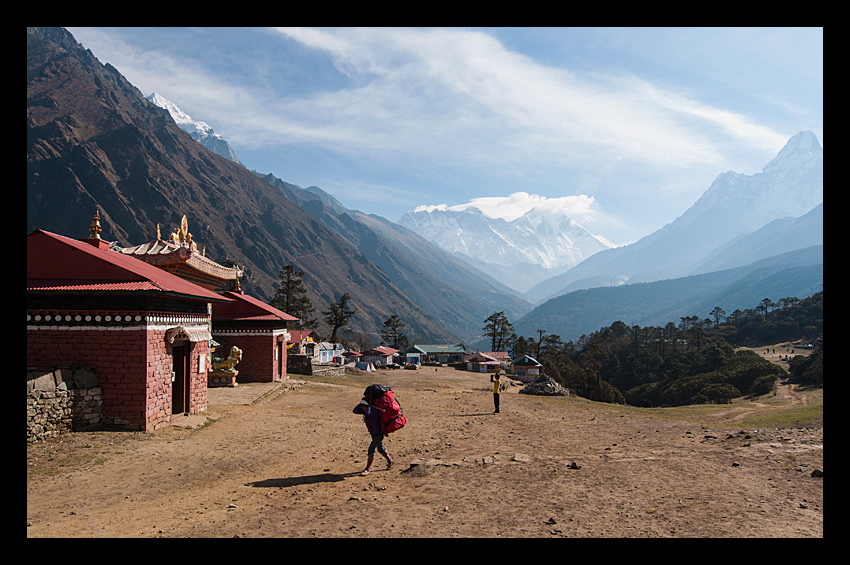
735	204
94	141
453	292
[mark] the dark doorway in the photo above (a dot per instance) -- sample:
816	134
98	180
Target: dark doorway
281	351
180	355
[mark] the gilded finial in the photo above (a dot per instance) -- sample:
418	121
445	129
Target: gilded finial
95	230
158	235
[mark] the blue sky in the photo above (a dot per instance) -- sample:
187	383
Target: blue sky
623	129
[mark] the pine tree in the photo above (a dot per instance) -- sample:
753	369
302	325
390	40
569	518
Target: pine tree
338	314
499	329
291	296
392	334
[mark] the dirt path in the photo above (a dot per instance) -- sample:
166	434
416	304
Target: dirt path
287	466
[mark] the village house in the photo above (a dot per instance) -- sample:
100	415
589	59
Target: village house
301	343
443	354
482	363
379	355
327	352
526	368
503	357
142	331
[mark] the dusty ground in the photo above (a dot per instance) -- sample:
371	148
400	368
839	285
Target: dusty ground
275	464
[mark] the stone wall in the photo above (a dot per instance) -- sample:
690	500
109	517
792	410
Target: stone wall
300	365
329	370
62	400
304	365
132	360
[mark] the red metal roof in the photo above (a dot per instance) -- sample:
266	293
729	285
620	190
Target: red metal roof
74	285
59	263
246	307
297	335
381	351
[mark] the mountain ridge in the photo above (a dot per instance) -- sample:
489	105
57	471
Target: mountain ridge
455	293
581	312
735	204
553	242
95	142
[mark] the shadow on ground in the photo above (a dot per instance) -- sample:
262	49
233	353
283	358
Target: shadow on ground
305	480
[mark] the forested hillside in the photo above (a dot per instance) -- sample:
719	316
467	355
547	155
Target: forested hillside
691	362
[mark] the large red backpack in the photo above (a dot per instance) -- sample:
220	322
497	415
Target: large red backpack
382	398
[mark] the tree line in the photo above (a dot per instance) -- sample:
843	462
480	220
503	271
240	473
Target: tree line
291	297
686	363
691	362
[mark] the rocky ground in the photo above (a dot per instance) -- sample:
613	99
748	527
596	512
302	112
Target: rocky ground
270	462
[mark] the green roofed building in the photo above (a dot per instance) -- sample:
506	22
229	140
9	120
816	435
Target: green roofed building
434	353
526	368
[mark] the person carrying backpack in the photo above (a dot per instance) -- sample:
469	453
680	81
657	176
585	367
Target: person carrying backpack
372	417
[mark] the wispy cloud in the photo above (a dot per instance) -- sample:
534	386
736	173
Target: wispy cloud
619	120
453	95
495	105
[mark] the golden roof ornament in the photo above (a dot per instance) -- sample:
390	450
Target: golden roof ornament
95	230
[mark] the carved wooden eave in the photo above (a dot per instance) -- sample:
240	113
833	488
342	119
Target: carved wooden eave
179	255
182	333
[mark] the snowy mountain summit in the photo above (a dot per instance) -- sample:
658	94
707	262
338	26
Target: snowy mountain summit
789	186
200	131
539	237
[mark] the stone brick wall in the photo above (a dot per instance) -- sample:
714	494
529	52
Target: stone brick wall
61	400
117	357
329	370
132	360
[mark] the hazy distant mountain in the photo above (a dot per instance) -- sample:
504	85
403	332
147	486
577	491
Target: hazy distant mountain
735	204
93	140
519	252
796	273
454	293
200	131
775	238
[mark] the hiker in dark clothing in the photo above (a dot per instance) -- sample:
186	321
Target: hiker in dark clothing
372	417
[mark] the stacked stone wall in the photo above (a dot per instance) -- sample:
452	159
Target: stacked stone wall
117	357
329	370
300	364
62	400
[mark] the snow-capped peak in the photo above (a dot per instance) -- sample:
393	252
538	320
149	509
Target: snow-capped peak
799	151
195	128
200	131
538	237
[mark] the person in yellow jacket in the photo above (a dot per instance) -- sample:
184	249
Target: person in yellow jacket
497	385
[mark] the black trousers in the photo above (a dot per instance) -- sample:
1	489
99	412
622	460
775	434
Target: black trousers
496	400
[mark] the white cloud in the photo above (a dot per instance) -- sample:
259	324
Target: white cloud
461	94
453	96
444	114
511	207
